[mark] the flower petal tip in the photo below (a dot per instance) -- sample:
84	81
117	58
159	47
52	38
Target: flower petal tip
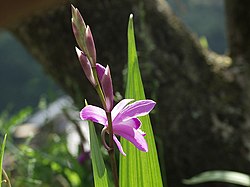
78	51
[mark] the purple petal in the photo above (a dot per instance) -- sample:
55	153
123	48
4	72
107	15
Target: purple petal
107	88
132	135
119	145
136	109
100	70
94	114
83	157
119	106
133	122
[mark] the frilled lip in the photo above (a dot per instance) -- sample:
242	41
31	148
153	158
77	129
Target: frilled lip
124	120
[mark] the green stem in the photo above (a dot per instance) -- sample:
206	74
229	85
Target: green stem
98	88
111	150
6	178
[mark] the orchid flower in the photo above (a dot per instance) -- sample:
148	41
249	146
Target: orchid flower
125	120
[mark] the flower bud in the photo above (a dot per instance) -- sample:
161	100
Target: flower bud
86	66
79	27
100	71
107	88
90	46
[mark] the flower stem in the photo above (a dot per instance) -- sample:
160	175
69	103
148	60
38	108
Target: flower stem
98	88
6	178
111	151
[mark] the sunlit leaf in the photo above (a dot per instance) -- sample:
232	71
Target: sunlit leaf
99	170
138	168
220	176
7	122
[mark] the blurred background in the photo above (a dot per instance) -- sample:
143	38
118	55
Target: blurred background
24	82
185	56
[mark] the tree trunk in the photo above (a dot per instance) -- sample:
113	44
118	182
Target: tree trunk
202	111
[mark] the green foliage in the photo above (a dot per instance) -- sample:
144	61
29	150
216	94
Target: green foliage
138	168
7	122
42	160
219	176
49	165
99	169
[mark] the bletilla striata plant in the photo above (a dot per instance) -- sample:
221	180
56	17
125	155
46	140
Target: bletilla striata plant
124	116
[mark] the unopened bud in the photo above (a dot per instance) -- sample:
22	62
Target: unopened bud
86	66
90	46
100	71
107	88
79	27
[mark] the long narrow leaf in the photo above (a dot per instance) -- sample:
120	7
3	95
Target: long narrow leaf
138	168
99	169
1	157
220	176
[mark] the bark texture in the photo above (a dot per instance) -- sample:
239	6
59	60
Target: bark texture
201	120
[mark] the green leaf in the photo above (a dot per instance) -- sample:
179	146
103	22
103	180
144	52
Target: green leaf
1	157
219	176
99	170
138	168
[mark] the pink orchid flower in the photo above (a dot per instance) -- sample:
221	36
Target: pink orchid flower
124	120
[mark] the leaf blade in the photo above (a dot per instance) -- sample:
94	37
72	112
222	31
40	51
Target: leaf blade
219	176
138	168
99	169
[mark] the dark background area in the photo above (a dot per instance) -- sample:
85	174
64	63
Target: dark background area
23	82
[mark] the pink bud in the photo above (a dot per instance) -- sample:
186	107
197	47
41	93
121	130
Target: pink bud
86	66
107	88
100	71
90	46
